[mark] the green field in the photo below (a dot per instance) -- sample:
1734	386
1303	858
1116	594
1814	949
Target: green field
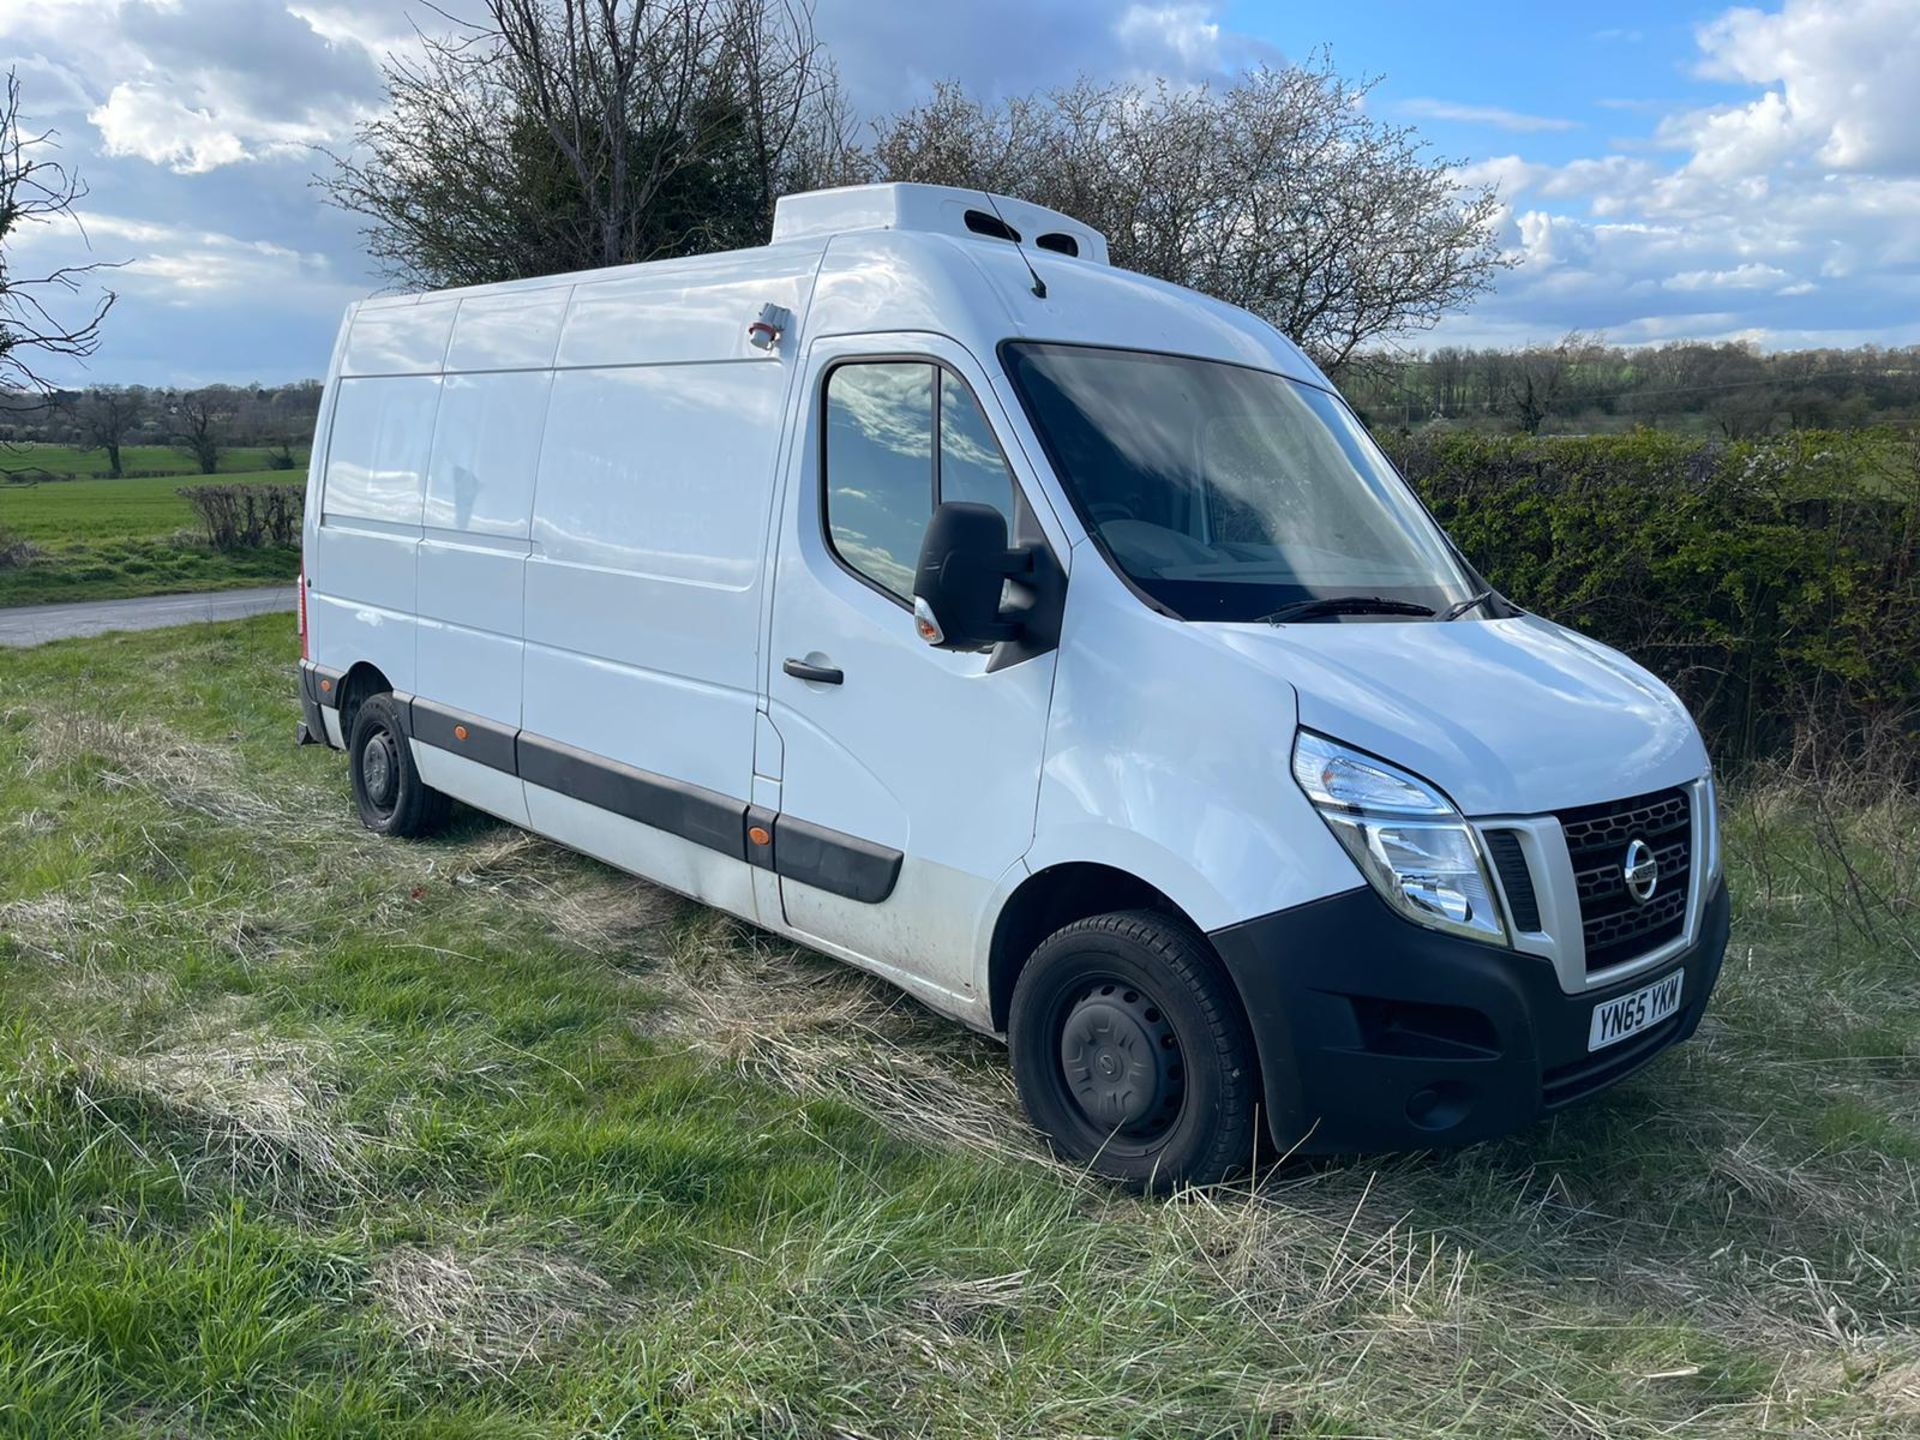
26	459
104	539
307	1133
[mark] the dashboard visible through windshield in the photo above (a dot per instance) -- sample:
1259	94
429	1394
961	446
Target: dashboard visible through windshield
1227	493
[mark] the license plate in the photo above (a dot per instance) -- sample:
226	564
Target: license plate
1615	1020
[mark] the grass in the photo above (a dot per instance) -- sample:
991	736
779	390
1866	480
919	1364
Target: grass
108	539
307	1133
27	459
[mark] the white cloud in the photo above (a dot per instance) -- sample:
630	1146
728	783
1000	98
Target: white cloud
185	264
1188	33
1792	215
195	87
1185	42
1843	80
1494	115
1750	276
150	123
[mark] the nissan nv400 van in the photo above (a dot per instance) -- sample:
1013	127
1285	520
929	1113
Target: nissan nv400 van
1047	640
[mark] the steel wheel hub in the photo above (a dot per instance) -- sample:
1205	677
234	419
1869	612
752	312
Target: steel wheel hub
378	770
1121	1061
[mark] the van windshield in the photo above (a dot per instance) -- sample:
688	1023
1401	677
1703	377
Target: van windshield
1225	493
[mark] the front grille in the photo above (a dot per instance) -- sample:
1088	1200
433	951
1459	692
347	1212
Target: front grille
1515	878
1617	927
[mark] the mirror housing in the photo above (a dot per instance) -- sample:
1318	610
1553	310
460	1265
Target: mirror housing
964	561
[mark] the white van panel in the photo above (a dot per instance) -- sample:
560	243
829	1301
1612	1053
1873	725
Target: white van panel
661	471
468	666
474	586
493	791
486	452
377	458
402	338
685	310
363	553
517	330
664	859
640	715
642	594
346	631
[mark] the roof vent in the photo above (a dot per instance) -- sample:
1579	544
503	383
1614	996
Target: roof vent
982	223
938	209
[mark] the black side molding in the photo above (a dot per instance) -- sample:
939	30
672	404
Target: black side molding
829	860
796	849
485	742
689	811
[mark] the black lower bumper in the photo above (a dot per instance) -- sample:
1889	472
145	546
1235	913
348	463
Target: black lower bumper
1377	1034
312	729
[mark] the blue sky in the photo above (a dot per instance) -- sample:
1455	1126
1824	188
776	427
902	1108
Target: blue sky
1667	170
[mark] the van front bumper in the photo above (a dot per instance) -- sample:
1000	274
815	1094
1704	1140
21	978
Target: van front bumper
1377	1034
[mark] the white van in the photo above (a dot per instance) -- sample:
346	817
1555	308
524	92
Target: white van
1048	640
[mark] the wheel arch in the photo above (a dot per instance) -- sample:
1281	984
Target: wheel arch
363	679
1057	896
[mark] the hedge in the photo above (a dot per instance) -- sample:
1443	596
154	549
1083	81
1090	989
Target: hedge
245	517
1772	583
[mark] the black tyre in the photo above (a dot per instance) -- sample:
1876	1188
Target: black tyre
387	787
1132	1053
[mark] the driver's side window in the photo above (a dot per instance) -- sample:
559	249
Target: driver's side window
901	436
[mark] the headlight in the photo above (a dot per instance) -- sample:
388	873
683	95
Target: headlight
1415	849
1709	797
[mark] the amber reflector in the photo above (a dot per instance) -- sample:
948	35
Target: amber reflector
759	835
459	732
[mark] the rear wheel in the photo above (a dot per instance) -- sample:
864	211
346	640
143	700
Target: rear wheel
1132	1053
387	788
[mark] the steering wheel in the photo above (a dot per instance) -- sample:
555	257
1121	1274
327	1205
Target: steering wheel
1101	511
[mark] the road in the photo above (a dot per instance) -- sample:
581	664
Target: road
35	624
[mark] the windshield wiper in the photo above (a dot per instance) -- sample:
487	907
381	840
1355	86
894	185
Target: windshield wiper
1472	602
1345	605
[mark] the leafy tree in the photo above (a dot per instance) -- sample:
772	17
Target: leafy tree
561	135
1279	193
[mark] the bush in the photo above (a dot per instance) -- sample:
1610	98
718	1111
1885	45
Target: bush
1772	583
16	550
246	517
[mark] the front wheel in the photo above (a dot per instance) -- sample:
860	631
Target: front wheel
1132	1053
387	788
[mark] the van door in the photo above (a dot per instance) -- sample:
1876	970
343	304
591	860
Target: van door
909	775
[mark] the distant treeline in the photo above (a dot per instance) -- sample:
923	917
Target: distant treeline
199	423
1581	386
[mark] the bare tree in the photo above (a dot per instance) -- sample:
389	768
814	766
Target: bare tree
200	428
1538	378
1279	193
105	415
566	134
35	190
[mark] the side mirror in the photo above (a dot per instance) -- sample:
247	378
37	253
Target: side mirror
963	563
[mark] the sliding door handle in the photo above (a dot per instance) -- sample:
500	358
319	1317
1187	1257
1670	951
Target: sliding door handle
814	674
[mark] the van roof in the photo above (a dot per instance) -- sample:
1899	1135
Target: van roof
864	258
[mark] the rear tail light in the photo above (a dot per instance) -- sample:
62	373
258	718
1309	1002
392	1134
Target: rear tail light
304	655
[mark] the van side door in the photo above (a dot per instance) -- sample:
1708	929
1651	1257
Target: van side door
908	776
